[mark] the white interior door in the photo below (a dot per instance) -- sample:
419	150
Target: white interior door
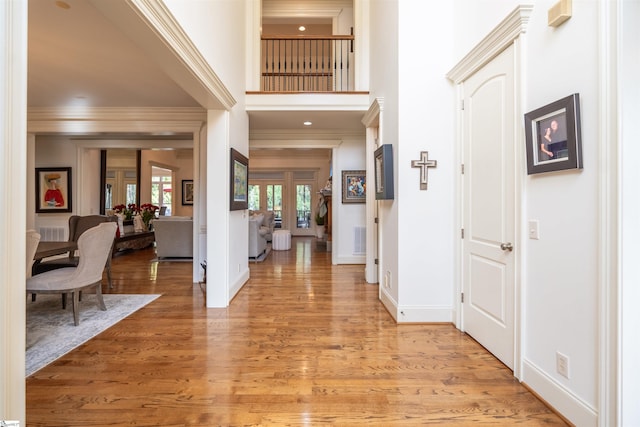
489	206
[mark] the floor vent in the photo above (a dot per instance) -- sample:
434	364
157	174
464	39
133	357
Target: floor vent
359	240
52	234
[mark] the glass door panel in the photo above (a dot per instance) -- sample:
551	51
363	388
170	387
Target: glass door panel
254	197
274	202
303	206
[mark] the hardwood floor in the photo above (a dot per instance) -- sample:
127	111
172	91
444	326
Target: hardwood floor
303	343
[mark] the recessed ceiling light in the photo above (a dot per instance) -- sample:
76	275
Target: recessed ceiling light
307	123
301	28
63	5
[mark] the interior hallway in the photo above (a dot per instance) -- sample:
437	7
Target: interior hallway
303	343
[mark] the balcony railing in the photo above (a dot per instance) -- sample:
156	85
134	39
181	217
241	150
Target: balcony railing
307	64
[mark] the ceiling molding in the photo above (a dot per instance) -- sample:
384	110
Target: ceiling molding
371	118
165	41
294	135
116	113
81	120
317	143
495	42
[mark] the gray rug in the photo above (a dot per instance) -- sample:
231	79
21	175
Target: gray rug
50	329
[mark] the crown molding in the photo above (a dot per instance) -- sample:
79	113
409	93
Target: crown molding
79	120
116	113
294	143
159	18
296	135
495	42
371	118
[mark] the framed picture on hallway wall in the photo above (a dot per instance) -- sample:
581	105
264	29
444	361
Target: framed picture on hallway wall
354	186
53	190
553	136
187	192
239	181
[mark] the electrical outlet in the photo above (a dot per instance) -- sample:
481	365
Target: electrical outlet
562	364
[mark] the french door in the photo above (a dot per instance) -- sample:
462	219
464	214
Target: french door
293	199
269	196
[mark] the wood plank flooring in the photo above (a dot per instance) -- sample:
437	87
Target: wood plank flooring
304	343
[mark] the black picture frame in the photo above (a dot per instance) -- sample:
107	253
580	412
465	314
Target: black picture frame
553	139
239	181
187	192
354	186
383	167
53	190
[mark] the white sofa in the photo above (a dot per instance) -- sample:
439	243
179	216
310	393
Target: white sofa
174	237
257	241
267	224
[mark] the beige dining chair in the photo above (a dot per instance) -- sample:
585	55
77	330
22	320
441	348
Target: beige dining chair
77	226
94	248
33	238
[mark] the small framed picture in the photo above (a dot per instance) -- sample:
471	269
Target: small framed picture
239	181
553	136
53	190
354	186
187	192
383	165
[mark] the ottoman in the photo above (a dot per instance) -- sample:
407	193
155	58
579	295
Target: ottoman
281	240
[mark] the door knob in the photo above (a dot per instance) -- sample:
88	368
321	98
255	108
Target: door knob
506	246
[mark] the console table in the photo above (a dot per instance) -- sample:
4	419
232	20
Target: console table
133	240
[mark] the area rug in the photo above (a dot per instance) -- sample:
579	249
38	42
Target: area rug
50	330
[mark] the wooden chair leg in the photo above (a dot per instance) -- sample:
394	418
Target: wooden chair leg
64	301
75	303
108	268
101	304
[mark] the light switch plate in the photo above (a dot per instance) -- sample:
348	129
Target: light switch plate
533	229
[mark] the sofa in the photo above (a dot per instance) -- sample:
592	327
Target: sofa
174	237
266	222
257	241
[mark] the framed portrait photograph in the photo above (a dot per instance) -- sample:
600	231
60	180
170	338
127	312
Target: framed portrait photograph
187	192
354	186
239	180
383	166
553	136
53	190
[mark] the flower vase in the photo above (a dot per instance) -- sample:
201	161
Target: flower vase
138	224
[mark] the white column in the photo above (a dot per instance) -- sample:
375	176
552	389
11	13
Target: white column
13	170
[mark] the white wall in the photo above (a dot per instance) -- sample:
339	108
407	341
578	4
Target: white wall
426	217
57	151
417	227
207	24
384	83
560	274
350	155
181	162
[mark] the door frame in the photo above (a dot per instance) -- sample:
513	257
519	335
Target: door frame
508	32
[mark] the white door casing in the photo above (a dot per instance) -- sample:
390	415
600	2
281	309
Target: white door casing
489	209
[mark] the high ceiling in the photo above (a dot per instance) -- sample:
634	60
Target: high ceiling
77	57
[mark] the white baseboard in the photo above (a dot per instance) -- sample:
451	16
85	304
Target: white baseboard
416	314
425	314
239	283
555	394
390	304
351	259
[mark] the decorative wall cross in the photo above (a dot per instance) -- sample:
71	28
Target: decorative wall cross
424	164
